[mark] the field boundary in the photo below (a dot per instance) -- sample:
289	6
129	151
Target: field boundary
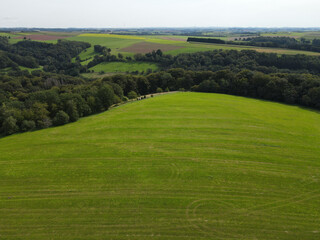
147	96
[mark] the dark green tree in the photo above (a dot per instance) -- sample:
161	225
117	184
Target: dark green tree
9	126
71	110
106	95
61	118
132	95
28	125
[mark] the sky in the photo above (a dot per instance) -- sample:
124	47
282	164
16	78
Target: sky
159	13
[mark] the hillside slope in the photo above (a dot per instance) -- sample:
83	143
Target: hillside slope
178	166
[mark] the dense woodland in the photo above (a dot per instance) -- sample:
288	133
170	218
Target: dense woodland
271	42
236	61
283	42
39	99
55	58
206	40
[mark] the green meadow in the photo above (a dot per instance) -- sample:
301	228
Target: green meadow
112	67
118	43
176	166
111	42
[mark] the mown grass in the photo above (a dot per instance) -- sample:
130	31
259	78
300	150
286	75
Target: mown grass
111	36
114	43
118	42
179	166
200	47
123	67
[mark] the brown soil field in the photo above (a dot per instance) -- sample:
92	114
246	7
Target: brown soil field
146	47
42	37
174	39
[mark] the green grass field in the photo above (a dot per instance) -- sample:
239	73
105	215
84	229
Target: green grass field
118	42
177	166
308	34
111	42
123	67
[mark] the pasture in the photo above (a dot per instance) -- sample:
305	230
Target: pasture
114	67
177	166
111	42
129	45
180	46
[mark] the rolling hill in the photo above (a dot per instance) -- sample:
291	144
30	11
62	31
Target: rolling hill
177	166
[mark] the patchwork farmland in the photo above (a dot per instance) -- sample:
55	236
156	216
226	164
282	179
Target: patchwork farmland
128	45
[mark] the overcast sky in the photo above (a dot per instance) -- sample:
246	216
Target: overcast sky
159	13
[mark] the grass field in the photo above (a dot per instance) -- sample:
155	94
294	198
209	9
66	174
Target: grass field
111	42
118	44
308	34
129	45
113	67
178	166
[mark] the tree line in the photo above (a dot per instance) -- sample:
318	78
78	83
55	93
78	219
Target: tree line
236	61
282	42
40	100
270	42
206	40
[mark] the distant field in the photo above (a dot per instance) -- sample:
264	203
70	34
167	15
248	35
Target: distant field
113	67
197	47
178	166
130	44
284	34
147	47
3	34
112	36
307	35
42	37
111	42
